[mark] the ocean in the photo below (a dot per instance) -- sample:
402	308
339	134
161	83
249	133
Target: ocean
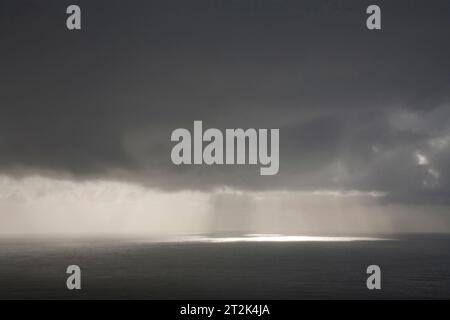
412	267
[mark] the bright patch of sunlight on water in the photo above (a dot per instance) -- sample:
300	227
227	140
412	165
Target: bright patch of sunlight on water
275	238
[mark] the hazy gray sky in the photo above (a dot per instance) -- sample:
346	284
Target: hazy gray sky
358	111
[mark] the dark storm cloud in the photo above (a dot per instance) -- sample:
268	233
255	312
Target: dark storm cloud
354	107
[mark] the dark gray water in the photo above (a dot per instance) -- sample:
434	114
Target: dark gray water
412	267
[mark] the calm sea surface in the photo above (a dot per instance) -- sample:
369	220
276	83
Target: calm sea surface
412	267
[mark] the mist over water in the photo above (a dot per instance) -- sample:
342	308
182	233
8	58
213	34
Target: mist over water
53	206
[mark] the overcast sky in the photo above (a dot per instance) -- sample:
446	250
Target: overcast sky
359	111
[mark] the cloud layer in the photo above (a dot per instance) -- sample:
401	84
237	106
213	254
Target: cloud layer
357	110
